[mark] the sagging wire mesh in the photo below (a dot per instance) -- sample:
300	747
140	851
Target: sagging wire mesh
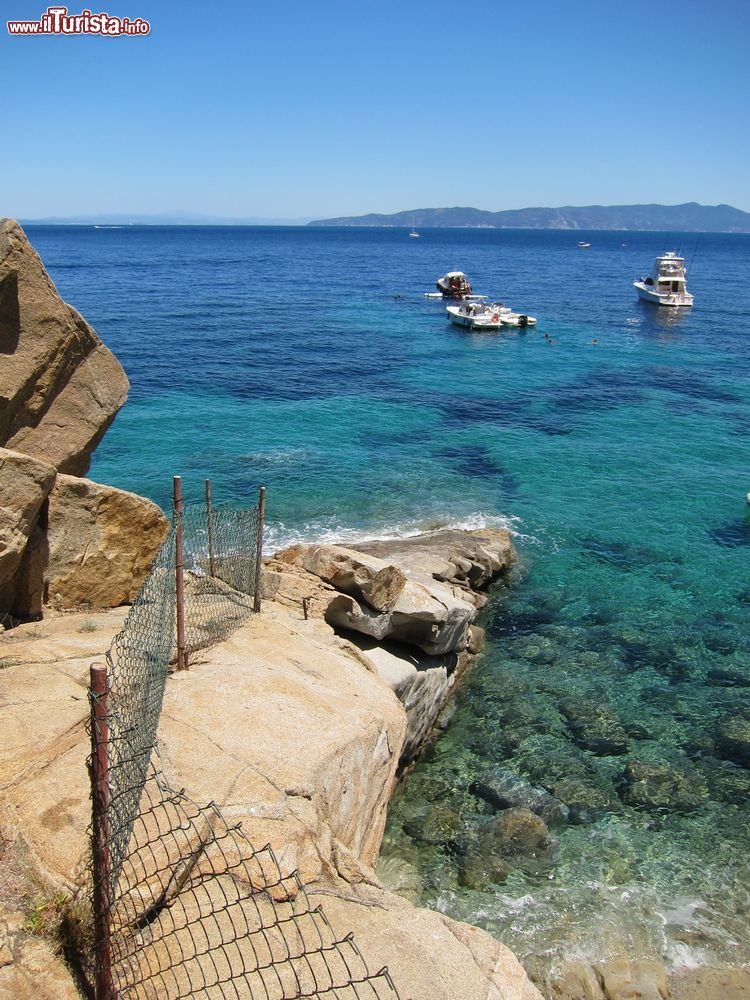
201	913
220	556
184	905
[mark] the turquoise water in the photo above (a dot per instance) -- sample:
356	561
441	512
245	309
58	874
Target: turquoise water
309	360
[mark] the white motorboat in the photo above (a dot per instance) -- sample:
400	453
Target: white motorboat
454	285
583	245
475	316
667	283
480	316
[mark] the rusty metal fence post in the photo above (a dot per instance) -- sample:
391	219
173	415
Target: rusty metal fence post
210	526
179	574
259	545
99	698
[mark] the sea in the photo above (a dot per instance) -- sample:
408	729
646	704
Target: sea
612	439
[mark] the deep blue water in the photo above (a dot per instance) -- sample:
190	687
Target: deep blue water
309	360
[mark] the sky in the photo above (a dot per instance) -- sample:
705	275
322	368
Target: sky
317	109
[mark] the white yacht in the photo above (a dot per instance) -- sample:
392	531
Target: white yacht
666	285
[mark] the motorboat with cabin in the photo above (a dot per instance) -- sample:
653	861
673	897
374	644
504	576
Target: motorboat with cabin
454	285
480	316
667	283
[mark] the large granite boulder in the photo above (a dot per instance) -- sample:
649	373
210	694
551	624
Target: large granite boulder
101	543
60	387
25	484
376	599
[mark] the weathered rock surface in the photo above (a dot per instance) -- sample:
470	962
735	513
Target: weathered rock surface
60	387
101	543
29	967
619	978
407	606
467	560
25	484
378	600
288	731
422	684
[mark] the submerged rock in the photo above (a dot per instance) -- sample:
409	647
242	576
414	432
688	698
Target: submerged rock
502	788
481	872
438	824
595	727
656	785
569	775
734	741
515	831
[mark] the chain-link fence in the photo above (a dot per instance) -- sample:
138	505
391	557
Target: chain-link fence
183	904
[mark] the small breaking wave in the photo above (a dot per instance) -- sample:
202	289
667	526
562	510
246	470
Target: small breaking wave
279	535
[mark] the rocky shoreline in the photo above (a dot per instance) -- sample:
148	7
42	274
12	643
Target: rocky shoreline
299	725
291	727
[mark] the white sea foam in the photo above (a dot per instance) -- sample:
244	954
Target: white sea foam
279	535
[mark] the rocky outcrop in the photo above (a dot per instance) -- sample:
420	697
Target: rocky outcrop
291	734
407	606
60	387
25	484
101	543
61	538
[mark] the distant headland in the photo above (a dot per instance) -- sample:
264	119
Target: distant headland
690	217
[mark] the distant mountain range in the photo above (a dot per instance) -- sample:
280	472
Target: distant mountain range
690	217
177	218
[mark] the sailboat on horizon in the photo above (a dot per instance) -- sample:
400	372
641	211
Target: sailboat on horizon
414	235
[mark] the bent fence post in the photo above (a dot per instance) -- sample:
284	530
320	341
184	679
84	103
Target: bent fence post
99	771
179	577
259	545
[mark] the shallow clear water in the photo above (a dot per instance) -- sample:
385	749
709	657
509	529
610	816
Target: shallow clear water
281	356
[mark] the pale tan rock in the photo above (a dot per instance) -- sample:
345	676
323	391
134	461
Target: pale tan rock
575	981
421	683
457	557
710	984
101	543
371	580
24	486
60	386
44	790
429	956
624	979
424	614
35	973
291	734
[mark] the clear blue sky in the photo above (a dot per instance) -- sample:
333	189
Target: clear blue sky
289	109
